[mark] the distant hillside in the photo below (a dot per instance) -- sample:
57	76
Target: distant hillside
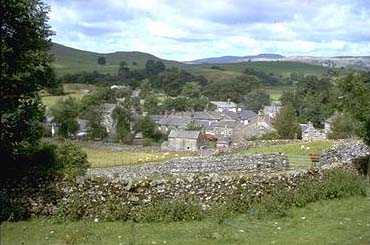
237	59
70	60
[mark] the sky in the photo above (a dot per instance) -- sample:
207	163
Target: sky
186	30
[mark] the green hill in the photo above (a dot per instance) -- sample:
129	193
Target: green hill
70	60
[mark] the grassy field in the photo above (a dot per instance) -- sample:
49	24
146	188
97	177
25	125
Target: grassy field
283	68
70	89
103	157
276	92
69	60
297	157
343	221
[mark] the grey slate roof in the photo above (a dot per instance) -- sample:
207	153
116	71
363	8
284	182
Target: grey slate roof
174	121
184	134
248	115
201	123
224	104
230	114
223	124
272	108
207	115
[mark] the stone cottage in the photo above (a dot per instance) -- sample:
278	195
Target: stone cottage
221	128
225	105
169	123
309	132
180	140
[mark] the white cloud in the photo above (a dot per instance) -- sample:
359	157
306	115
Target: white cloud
186	30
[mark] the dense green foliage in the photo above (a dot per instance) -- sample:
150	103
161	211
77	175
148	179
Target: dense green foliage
25	70
233	89
314	100
148	128
256	100
355	94
286	123
65	113
102	60
343	126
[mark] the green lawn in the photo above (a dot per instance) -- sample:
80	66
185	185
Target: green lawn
344	221
297	156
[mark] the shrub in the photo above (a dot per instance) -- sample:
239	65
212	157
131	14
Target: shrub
70	160
170	211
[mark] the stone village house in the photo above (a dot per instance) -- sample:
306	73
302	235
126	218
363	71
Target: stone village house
180	140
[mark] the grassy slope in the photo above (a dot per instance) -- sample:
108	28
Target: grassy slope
69	60
278	68
297	156
327	222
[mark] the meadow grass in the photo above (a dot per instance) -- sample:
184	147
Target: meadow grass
70	89
104	157
338	221
297	156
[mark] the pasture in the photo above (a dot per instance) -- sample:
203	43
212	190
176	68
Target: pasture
104	157
298	153
70	89
324	222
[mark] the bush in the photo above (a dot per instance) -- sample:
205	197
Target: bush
70	160
170	211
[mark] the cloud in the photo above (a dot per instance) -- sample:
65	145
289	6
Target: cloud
186	30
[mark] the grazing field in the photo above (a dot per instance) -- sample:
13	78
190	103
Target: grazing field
276	92
104	157
70	89
326	222
69	60
297	154
281	68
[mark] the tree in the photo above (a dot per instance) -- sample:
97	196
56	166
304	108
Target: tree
123	70
354	98
342	127
233	89
355	94
65	113
286	123
191	90
153	68
151	105
25	69
121	118
256	100
101	60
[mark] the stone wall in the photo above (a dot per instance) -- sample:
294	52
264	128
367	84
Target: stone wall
98	193
227	164
345	152
261	143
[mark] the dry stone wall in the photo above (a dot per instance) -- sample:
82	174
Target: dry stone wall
227	164
344	153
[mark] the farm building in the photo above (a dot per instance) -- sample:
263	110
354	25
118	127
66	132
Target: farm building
179	140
